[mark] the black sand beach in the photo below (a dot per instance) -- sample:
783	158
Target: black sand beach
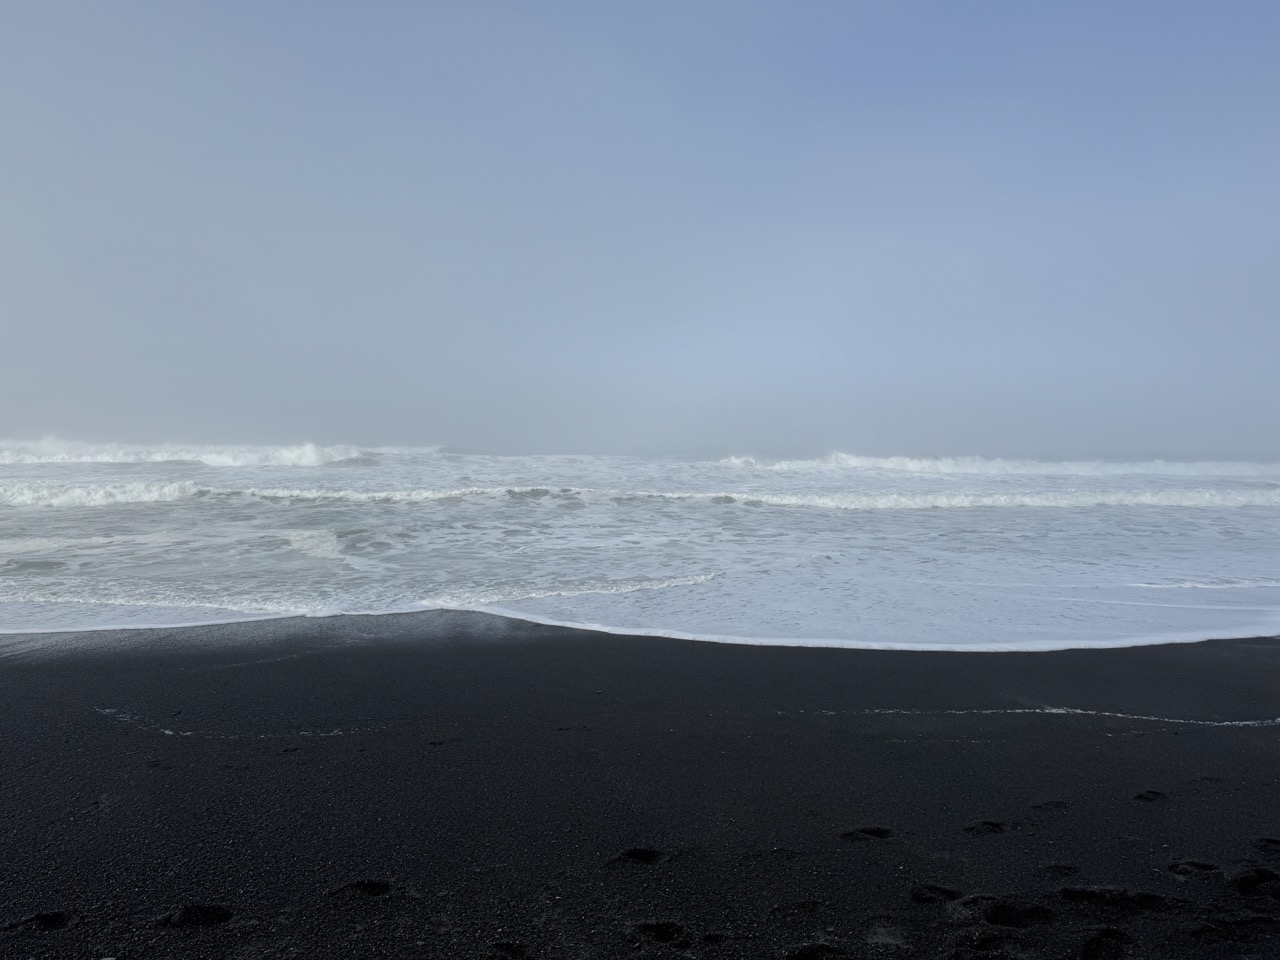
454	785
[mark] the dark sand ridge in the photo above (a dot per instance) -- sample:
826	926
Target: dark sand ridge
455	785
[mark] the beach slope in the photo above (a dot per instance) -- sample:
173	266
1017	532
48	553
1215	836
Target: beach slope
451	785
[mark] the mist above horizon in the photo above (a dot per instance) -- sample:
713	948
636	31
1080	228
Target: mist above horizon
717	229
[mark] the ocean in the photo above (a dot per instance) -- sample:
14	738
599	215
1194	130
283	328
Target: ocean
839	550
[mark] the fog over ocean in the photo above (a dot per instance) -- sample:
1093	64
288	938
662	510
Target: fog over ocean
838	550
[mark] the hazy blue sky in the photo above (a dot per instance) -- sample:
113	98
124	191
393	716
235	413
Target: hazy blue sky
1005	228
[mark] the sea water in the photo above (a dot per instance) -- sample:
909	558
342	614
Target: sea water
837	550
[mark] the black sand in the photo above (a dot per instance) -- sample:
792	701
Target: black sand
456	786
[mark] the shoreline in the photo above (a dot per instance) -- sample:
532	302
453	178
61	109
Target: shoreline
459	785
30	638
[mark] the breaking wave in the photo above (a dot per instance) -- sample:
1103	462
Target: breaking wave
47	495
960	552
43	495
936	501
53	450
997	467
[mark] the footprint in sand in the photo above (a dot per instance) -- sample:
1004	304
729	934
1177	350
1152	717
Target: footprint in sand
1189	868
1256	882
988	826
50	920
1269	847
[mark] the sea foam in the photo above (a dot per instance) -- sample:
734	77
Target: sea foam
998	467
53	450
97	495
917	553
53	495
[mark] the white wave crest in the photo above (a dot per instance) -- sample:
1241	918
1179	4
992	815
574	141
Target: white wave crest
832	501
997	467
938	501
43	495
54	450
368	496
46	495
53	495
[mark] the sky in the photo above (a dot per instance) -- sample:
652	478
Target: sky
663	227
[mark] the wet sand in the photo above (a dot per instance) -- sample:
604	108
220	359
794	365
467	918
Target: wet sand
446	785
